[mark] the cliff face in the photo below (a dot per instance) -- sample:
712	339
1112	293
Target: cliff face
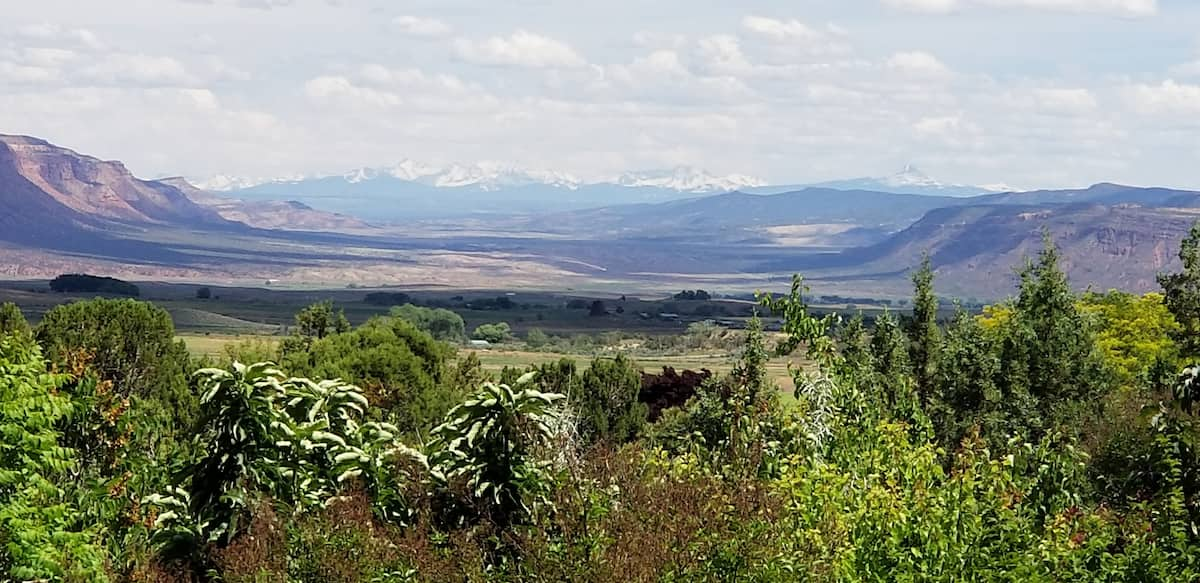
1103	246
37	177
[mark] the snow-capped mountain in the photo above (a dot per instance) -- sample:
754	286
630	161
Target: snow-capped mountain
412	189
491	176
910	180
688	179
223	182
485	175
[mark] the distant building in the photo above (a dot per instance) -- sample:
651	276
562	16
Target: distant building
480	343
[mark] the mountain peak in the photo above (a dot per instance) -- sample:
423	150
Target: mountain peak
688	179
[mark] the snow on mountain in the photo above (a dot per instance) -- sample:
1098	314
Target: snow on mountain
688	179
910	180
491	176
222	182
494	176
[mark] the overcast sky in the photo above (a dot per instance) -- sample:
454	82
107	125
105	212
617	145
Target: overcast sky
1031	93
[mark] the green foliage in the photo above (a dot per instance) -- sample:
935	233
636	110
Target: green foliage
314	323
923	332
536	339
291	440
606	401
493	333
893	382
1133	332
130	346
40	536
402	369
442	324
970	398
487	446
1182	293
12	321
854	345
1049	350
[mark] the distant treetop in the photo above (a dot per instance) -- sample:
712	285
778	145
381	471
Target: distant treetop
83	283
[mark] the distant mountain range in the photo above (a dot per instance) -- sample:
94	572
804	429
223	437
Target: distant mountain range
60	209
493	177
910	180
413	190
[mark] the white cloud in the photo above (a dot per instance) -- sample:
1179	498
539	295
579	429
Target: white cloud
24	74
137	69
918	63
48	57
332	89
521	49
1134	8
658	40
1167	98
780	30
76	37
422	27
414	90
1118	7
722	54
1066	101
931	6
1191	69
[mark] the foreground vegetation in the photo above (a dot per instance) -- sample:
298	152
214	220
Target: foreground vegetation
1052	438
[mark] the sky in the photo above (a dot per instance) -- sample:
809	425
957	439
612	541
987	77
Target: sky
1027	93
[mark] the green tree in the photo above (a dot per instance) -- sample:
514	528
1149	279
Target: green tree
132	346
40	535
1182	293
12	321
535	338
493	333
442	324
854	343
320	320
1135	333
1058	356
607	401
923	332
969	395
402	370
893	380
